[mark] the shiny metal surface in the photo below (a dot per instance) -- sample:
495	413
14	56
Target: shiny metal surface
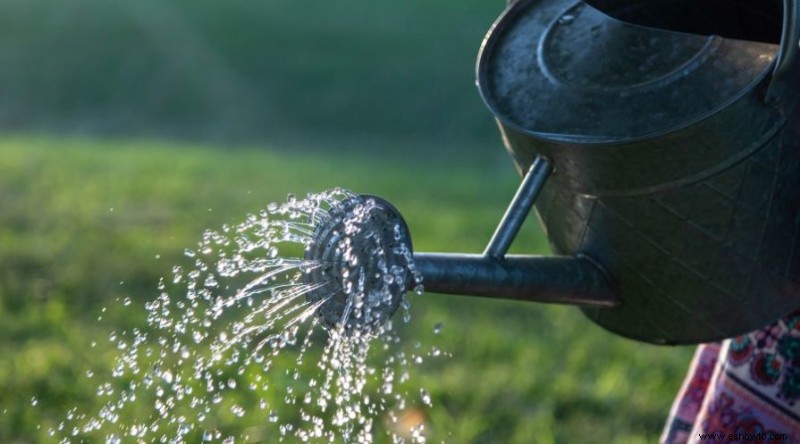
519	208
672	171
551	279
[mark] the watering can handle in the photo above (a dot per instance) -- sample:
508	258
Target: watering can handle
787	53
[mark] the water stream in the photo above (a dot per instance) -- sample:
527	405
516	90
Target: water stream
236	336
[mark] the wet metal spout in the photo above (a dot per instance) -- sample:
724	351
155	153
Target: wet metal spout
369	232
557	279
554	279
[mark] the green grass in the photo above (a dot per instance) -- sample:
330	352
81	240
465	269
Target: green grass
88	222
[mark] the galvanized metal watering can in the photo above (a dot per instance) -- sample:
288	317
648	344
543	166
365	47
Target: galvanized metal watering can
660	144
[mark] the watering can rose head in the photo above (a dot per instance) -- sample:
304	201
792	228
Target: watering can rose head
359	264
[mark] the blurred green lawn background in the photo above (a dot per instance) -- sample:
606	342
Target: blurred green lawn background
132	126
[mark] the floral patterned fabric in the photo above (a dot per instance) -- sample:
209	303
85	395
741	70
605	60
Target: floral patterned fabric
745	389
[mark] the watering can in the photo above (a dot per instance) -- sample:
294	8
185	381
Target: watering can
659	142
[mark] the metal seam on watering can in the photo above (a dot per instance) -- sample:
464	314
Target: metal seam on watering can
690	213
787	55
608	177
672	74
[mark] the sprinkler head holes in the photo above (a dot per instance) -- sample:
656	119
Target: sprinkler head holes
360	263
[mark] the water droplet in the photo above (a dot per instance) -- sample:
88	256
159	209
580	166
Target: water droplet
425	397
238	410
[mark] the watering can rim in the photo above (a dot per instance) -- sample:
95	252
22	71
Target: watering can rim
782	65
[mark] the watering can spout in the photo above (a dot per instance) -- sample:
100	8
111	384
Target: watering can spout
552	279
573	280
371	231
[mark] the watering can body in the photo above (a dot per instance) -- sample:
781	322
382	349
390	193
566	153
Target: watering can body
676	160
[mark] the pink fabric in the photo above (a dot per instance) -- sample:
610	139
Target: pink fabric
745	389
